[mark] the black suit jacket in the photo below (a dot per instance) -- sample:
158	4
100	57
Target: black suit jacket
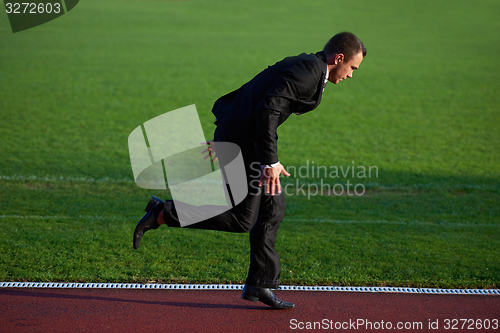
252	113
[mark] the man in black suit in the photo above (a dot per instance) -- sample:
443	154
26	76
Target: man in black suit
249	117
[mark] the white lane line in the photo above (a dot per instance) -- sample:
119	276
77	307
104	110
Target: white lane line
58	217
64	179
408	222
133	218
62	285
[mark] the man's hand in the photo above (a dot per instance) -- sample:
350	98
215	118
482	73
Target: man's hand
271	177
210	151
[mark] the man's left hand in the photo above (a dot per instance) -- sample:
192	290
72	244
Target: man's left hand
271	177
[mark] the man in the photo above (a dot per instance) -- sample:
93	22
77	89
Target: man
249	117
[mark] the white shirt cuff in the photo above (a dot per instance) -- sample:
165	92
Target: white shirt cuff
270	165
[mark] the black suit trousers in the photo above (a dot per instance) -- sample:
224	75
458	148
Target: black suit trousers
259	213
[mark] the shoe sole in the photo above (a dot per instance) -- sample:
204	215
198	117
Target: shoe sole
250	298
152	202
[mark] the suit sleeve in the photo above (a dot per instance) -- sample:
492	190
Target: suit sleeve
297	83
267	137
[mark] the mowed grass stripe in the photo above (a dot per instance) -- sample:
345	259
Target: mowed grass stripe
298	184
76	198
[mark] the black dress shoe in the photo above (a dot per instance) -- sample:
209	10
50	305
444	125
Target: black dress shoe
148	221
266	296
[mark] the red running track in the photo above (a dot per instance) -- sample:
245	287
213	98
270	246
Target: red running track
124	310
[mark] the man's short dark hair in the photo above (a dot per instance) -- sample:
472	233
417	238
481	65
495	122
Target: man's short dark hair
346	43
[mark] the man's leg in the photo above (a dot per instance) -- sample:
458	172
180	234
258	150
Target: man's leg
265	267
264	271
239	219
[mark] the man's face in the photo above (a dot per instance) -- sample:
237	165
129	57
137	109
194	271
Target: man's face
342	69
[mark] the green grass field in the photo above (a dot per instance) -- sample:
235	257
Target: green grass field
423	108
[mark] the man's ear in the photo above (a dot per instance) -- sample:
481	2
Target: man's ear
339	57
335	59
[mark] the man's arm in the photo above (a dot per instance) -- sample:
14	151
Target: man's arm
297	83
